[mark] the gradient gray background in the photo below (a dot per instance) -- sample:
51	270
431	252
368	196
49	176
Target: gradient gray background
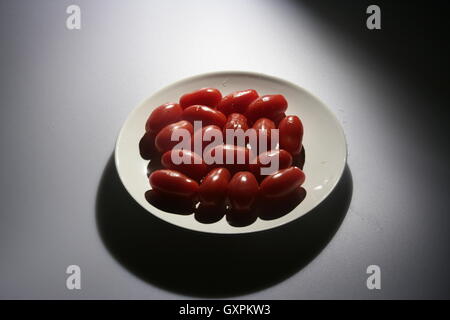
65	95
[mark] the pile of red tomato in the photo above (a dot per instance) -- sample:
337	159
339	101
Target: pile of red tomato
234	186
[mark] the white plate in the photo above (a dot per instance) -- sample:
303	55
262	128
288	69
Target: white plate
323	140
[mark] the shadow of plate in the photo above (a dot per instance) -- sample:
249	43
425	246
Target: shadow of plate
210	265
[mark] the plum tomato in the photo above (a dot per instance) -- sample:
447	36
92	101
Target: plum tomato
171	182
237	102
162	116
206	96
206	115
265	160
163	140
228	156
291	134
207	135
282	182
147	147
186	162
277	119
242	190
263	127
213	189
204	213
268	106
236	121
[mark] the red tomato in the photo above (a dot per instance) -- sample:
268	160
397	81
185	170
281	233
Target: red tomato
284	161
172	182
299	159
263	127
236	121
291	134
147	147
163	140
206	115
207	97
269	106
237	101
235	154
191	164
242	190
213	189
264	124
274	208
282	183
241	218
154	164
207	135
277	119
162	116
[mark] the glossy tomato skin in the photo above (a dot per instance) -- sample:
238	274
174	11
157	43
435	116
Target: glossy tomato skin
236	121
268	106
237	153
162	116
206	96
206	115
195	168
291	134
206	135
147	146
263	127
277	119
284	161
171	182
213	189
264	124
282	183
163	141
237	102
242	190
